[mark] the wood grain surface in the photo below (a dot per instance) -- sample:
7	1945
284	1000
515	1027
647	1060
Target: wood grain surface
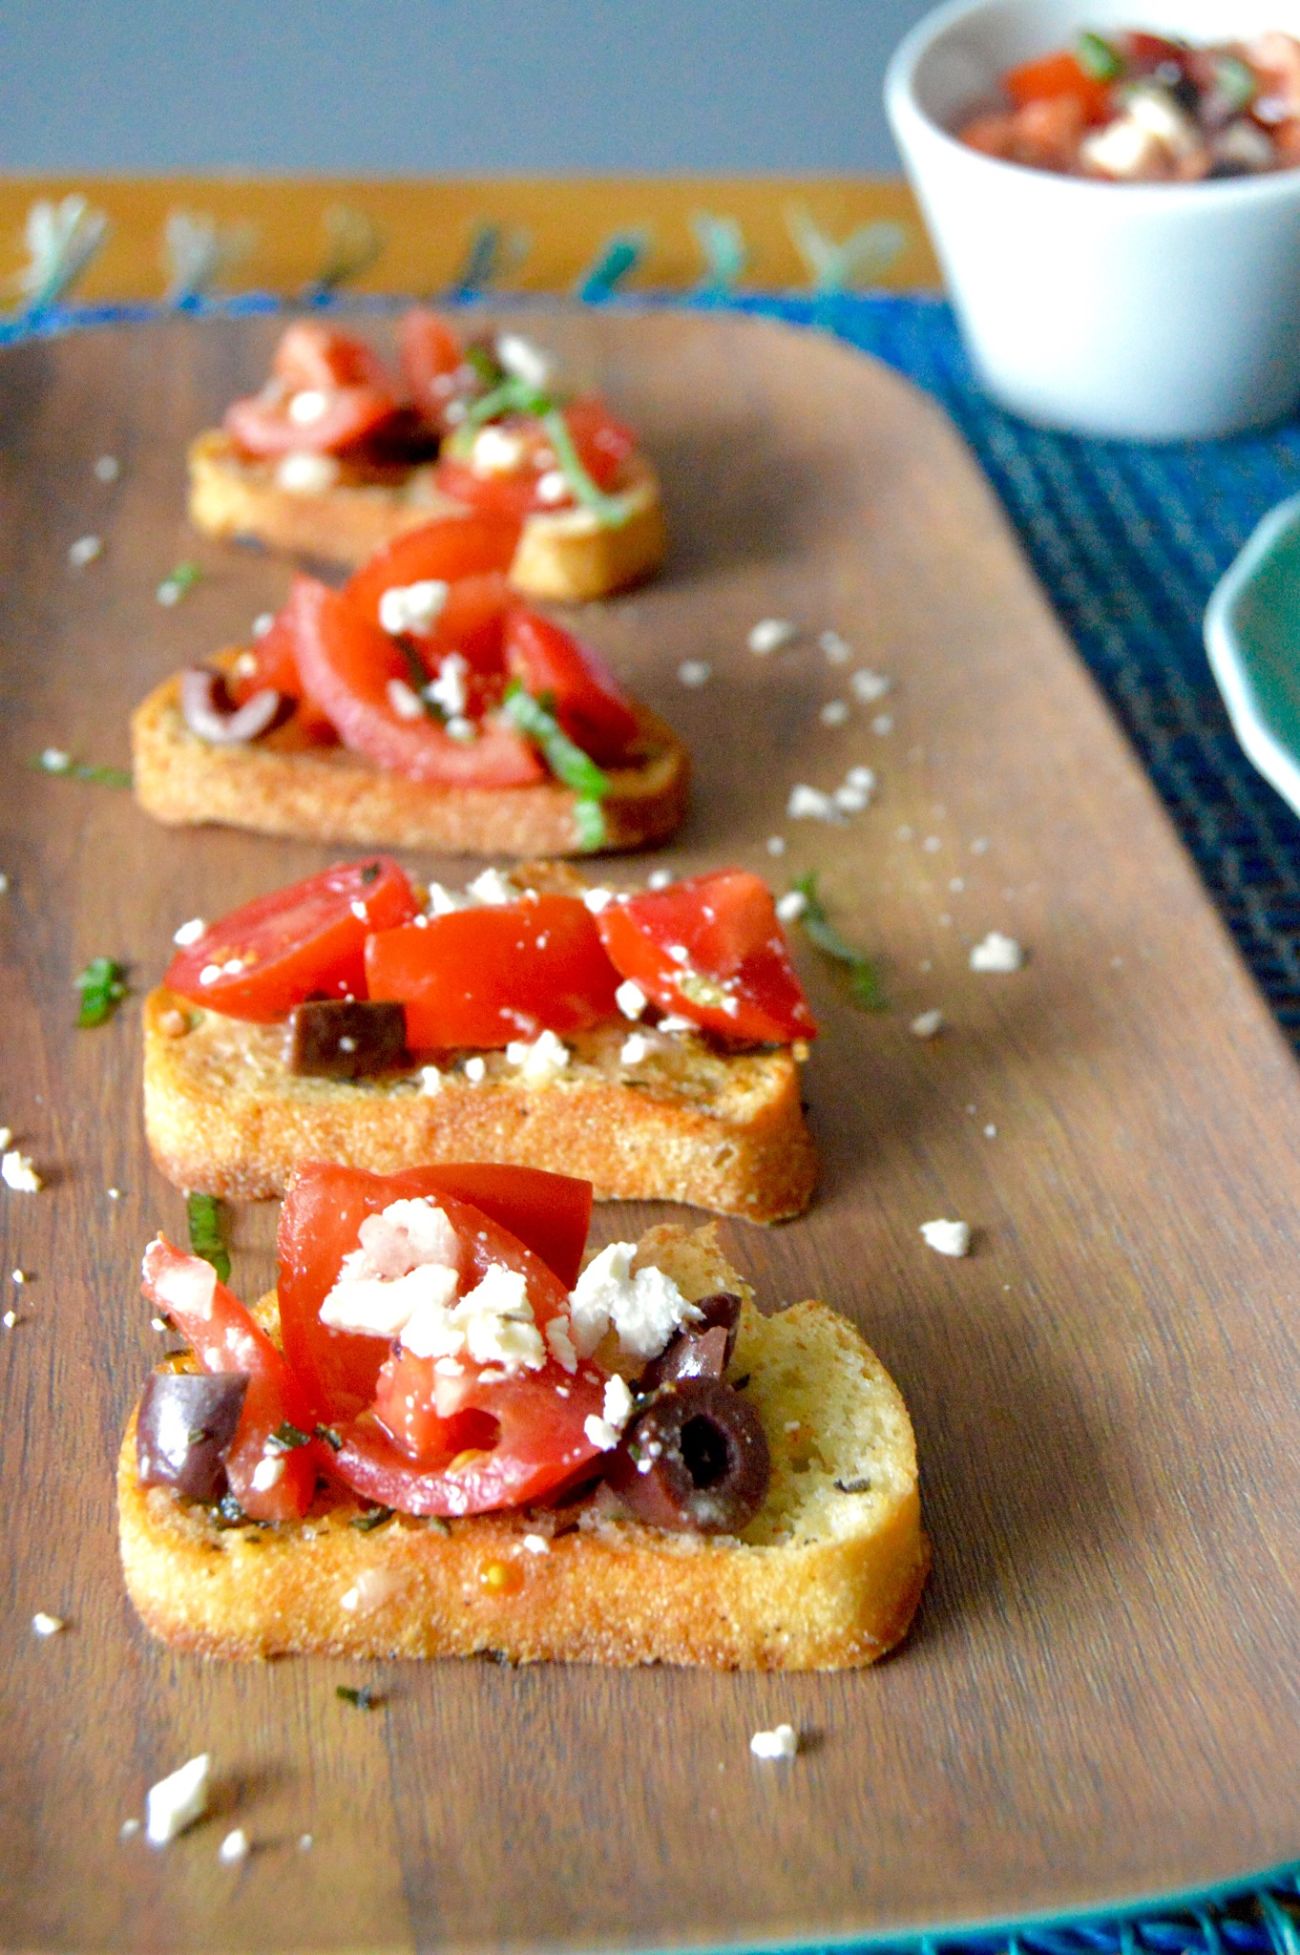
1097	1703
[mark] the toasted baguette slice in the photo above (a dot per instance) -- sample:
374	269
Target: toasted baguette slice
566	555
224	1115
826	1576
282	785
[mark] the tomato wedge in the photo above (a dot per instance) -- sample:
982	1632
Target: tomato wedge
347	667
311	354
445	550
261	960
272	660
320	1222
1053	76
603	445
585	696
483	977
431	358
261	425
711	948
225	1337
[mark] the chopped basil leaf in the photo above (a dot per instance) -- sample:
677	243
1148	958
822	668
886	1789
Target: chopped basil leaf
864	980
1098	57
566	761
484	363
102	986
203	1213
373	1517
287	1438
182	579
330	1437
1236	81
364	1699
589	820
611	511
53	762
512	396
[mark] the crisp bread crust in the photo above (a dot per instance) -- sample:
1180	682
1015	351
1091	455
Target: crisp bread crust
566	556
224	1115
283	785
819	1580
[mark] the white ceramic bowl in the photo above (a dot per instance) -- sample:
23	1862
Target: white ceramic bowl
1151	311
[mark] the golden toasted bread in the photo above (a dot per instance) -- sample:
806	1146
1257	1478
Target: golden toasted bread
827	1575
566	555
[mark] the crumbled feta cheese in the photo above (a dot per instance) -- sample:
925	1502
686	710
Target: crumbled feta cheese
980	846
644	1307
4	884
404	700
604	1429
948	1238
851	800
268	1472
539	1060
772	635
442	901
449	689
55	761
635	1048
262	623
6	1135
128	1829
306	1841
674	1022
189	933
990	1132
597	899
412	607
9	1319
560	1344
177	1801
810	804
523	360
783	1742
883	723
869	686
536	1544
459	728
114	1194
107	468
834	713
430	1081
791	906
927	1023
932	844
491	887
1122	148
492	1324
19	1277
17	1172
776	844
497	451
659	879
308	405
694	672
476	1070
236	1846
408	1254
837	649
996	952
630	998
552	487
47	1625
84	551
304	474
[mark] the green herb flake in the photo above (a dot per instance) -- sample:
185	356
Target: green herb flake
203	1213
610	511
865	987
179	582
567	762
1236	81
589	820
53	761
485	363
372	1517
1098	57
362	1699
102	986
511	396
287	1437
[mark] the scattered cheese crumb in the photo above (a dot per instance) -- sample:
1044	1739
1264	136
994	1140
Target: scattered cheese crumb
47	1625
430	1081
927	1023
837	649
810	804
475	1069
834	713
492	888
404	700
4	884
605	1428
980	846
128	1829
55	761
932	844
268	1473
177	1801
597	899
107	468
236	1846
783	1742
262	623
883	723
305	474
948	1238
695	672
307	405
84	551
772	635
17	1172
869	686
635	1047
776	844
539	1060
997	952
791	906
9	1319
527	362
114	1194
551	487
630	998
306	1841
536	1544
497	451
659	879
189	933
990	1132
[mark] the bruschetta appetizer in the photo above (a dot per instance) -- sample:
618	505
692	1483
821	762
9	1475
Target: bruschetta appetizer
336	455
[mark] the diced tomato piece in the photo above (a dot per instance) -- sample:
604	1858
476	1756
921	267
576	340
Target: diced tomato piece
431	357
224	1337
603	445
483	977
261	425
1146	52
314	355
585	696
307	940
443	551
731	971
272	660
1054	75
321	1220
347	668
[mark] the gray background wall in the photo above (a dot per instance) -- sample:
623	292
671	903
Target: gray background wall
456	87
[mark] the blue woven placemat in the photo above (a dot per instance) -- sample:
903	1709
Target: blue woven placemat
1128	541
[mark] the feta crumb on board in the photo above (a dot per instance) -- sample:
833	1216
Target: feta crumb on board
84	551
9	1319
178	1800
17	1172
781	1742
927	1023
947	1238
107	468
771	635
236	1846
694	672
869	686
834	713
811	804
44	1624
55	761
189	933
4	884
997	952
776	844
837	649
536	1544
791	906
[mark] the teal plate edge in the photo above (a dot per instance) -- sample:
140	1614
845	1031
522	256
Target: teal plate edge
1252	637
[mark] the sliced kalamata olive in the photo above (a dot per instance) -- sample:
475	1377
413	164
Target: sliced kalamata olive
186	1422
208	709
337	1038
718	1311
696	1459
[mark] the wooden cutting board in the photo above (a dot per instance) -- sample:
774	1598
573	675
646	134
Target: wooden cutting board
1097	1704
